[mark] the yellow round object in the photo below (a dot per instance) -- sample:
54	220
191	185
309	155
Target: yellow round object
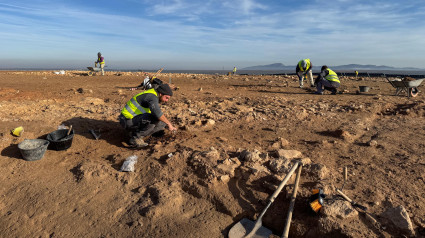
18	131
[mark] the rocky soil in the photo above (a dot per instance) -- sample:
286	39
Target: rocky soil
238	137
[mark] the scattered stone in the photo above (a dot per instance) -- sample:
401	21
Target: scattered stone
400	218
319	171
257	168
276	145
250	156
280	165
345	135
339	209
289	154
283	142
373	143
280	143
305	161
94	101
227	169
210	122
224	178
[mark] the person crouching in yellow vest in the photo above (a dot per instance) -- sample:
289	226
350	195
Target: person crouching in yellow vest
328	80
304	69
142	115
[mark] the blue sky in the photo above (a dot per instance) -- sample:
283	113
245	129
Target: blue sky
210	34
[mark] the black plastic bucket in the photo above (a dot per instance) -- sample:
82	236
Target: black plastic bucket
33	149
59	140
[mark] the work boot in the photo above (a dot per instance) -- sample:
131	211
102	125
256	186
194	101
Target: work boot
137	142
333	91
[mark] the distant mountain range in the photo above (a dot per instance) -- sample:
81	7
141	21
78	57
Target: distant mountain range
280	66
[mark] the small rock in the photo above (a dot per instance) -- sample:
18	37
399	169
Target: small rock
227	169
339	209
250	156
319	171
280	165
400	218
305	161
283	142
372	143
224	178
256	168
276	145
289	154
210	122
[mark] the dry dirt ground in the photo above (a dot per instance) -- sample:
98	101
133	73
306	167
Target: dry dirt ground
236	139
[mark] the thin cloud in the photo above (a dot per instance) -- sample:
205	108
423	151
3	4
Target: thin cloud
240	30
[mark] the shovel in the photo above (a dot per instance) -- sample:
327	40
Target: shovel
292	204
248	228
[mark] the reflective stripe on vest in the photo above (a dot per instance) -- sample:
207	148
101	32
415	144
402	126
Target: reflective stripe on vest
101	62
133	108
308	64
332	76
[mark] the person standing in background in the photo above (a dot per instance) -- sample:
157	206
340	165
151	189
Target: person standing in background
101	62
234	70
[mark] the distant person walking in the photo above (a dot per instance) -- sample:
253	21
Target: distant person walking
234	70
304	68
328	80
357	73
101	62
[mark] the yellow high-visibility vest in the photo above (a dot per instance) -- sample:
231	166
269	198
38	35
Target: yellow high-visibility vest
133	108
308	64
101	62
332	76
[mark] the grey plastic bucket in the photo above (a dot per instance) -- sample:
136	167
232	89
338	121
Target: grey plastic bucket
33	149
364	89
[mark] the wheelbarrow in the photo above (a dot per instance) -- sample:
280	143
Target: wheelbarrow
93	70
409	87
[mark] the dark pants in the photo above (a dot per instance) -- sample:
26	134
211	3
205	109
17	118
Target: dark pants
142	125
325	84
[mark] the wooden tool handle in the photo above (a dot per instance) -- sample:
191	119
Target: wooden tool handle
285	180
345	173
69	131
344	196
292	204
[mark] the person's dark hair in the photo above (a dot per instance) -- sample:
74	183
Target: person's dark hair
165	89
324	67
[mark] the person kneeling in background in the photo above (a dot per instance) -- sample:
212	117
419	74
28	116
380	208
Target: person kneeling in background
327	79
